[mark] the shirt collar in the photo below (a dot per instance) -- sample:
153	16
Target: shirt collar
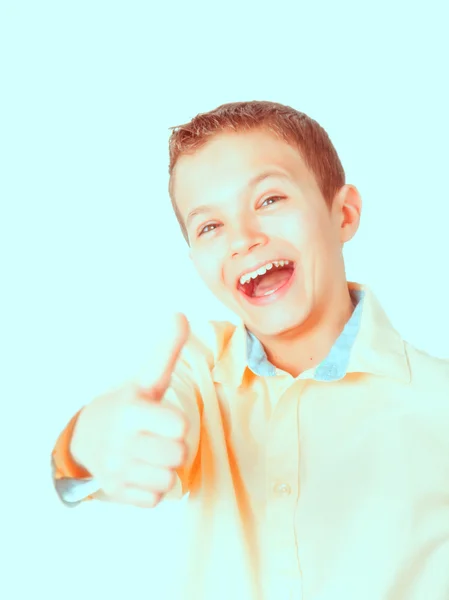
378	348
367	344
332	368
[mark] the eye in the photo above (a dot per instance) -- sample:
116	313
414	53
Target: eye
207	228
272	200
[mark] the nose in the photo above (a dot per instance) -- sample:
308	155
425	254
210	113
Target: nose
244	237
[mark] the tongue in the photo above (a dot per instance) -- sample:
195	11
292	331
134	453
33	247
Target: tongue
271	281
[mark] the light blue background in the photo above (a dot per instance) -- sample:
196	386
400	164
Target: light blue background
92	255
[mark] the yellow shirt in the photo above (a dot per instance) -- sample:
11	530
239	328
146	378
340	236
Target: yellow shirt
314	489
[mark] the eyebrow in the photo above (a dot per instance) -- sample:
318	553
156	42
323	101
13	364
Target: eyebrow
251	183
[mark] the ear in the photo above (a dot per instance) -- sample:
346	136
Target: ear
348	207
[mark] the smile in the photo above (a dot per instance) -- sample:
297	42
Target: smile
267	283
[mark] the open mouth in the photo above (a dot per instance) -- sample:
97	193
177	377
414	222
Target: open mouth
267	280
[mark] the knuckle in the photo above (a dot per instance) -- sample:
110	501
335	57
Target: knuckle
140	499
131	494
185	425
113	490
181	453
169	479
180	423
151	501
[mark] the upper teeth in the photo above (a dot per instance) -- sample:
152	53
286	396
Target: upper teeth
262	270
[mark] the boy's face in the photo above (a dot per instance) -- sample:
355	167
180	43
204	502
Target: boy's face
236	227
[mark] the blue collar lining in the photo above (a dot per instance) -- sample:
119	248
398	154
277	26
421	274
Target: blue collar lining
333	367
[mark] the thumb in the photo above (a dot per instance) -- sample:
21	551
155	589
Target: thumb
155	379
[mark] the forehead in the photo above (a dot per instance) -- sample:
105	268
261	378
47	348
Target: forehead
222	167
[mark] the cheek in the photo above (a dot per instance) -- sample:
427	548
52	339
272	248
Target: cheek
312	236
301	229
292	224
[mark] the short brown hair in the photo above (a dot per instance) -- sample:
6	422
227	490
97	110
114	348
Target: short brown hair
294	127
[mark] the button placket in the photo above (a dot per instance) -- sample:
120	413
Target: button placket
282	483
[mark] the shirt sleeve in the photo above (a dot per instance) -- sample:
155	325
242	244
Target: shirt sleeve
72	483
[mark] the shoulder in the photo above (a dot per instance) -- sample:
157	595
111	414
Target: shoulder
207	341
427	369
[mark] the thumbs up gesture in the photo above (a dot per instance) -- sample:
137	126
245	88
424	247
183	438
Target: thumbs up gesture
130	442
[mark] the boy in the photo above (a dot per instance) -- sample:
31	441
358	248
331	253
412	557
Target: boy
313	440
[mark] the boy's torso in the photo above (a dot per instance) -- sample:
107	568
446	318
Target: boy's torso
334	484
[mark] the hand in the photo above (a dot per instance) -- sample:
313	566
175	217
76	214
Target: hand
128	441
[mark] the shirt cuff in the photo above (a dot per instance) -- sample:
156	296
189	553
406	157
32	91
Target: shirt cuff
73	491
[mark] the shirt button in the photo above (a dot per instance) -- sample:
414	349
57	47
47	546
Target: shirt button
282	489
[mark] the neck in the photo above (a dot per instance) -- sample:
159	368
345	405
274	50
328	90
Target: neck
305	347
